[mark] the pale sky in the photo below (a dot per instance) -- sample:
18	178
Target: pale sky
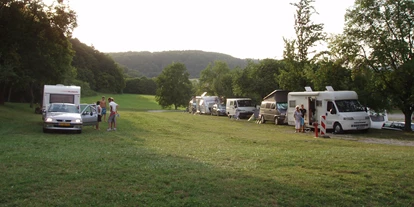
240	28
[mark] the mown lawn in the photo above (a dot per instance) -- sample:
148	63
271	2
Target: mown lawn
178	159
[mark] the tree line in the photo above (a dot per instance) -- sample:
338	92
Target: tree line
37	49
373	56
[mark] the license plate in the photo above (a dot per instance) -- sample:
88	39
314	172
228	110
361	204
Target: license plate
64	124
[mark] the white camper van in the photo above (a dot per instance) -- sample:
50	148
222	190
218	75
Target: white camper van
341	108
243	105
60	94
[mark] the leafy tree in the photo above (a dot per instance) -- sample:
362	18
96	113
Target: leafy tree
35	49
383	32
296	54
141	85
174	86
216	79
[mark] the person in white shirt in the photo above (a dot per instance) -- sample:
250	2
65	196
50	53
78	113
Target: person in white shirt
112	115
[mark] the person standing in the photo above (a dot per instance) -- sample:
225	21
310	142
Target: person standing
112	115
302	121
99	111
103	106
297	115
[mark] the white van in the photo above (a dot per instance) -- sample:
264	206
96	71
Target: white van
243	105
60	94
341	108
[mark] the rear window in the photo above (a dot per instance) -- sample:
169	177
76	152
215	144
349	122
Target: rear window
377	118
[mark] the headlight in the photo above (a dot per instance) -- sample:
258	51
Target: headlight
348	118
49	120
78	121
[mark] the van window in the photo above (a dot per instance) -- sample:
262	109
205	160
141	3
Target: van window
292	103
281	106
268	105
349	106
272	106
244	103
263	105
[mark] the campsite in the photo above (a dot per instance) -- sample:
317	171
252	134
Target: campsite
173	158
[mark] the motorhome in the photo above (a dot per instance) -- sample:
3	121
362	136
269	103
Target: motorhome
60	94
244	106
341	108
203	104
274	107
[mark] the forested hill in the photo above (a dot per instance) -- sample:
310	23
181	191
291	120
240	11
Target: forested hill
150	64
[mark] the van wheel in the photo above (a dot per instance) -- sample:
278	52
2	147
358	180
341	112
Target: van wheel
262	120
276	121
338	128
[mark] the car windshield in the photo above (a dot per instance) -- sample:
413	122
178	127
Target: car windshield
244	103
221	106
349	106
281	106
63	108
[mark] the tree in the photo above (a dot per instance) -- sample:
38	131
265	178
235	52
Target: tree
35	49
174	86
296	54
383	31
216	79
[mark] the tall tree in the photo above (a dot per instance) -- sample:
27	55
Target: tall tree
216	79
174	86
35	48
296	54
383	30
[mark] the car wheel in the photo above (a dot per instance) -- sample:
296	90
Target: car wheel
276	121
262	120
338	128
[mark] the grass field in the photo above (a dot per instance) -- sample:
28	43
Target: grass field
177	159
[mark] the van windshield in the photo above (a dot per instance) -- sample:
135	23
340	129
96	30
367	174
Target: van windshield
281	106
244	103
349	106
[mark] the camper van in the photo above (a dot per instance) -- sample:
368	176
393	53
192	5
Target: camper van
274	107
341	108
205	103
243	105
60	94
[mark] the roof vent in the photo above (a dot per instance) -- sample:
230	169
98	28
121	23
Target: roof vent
329	88
308	89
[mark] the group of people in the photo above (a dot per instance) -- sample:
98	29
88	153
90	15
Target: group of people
113	113
299	117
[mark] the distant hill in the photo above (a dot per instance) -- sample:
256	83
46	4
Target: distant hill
150	64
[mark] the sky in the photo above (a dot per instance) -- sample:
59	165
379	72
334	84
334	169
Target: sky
240	28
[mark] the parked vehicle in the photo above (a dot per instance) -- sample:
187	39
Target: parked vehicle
244	106
218	110
64	116
341	108
396	125
60	94
274	107
377	119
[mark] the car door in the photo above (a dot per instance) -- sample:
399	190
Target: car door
89	114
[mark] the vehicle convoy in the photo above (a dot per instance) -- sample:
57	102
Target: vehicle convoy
69	117
244	106
274	107
341	109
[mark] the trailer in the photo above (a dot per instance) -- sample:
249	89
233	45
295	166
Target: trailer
60	94
341	108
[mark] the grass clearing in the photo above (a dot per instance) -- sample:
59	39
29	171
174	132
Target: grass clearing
178	159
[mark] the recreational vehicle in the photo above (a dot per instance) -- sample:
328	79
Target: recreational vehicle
60	94
244	106
341	109
205	103
274	107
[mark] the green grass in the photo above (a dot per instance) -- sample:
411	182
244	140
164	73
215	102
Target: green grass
178	159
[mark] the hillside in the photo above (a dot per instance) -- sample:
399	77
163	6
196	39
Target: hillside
150	64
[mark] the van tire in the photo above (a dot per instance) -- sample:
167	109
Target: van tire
262	120
276	121
338	128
